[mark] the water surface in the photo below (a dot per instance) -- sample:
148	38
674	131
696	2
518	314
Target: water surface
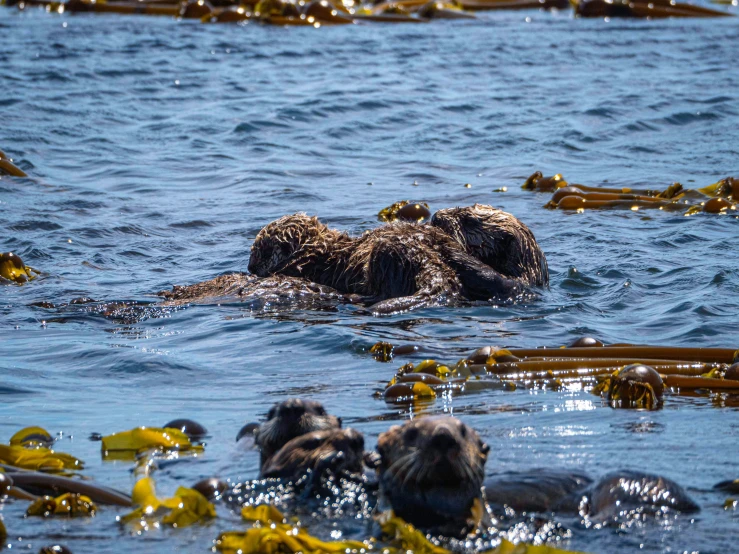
158	149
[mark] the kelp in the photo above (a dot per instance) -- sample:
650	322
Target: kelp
693	383
32	437
264	513
405	210
273	536
382	351
13	269
68	504
634	386
127	444
587	362
675	197
44	483
7	167
39	459
185	508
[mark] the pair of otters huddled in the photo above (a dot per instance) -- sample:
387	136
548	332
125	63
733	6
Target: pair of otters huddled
461	254
431	471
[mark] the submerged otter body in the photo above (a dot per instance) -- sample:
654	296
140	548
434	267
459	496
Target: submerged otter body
240	286
610	498
431	472
290	419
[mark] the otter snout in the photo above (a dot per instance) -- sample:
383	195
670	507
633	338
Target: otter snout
444	441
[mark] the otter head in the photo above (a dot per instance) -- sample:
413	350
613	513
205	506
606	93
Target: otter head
292	245
431	470
496	238
289	419
337	450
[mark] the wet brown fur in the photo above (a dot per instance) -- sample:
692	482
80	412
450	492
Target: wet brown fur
497	239
290	419
474	253
338	450
431	471
239	286
300	246
401	265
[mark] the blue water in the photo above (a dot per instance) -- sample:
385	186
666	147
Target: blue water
157	149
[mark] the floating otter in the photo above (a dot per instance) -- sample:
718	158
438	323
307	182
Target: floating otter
431	471
290	419
613	496
337	450
405	265
391	268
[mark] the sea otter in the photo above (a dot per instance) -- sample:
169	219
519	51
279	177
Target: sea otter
337	450
431	471
402	265
395	267
612	497
290	419
497	239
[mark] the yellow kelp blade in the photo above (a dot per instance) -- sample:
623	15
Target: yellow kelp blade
188	506
277	537
13	268
406	536
147	438
410	539
39	459
264	514
281	538
507	547
69	504
31	437
193	507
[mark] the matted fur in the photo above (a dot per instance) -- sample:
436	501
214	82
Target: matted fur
497	239
473	253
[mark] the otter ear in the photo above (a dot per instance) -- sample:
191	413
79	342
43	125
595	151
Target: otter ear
372	459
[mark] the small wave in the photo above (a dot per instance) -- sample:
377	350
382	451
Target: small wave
686	118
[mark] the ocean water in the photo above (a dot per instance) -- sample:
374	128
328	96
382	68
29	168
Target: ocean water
157	149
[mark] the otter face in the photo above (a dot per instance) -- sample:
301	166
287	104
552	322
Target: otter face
337	450
276	244
289	419
431	470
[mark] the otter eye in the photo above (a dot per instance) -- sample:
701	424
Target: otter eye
320	410
463	431
411	434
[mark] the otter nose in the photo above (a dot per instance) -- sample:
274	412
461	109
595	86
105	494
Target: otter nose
443	440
